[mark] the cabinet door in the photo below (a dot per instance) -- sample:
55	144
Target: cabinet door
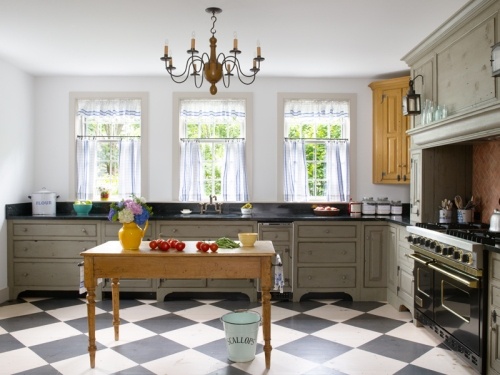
416	186
375	274
392	272
390	141
494	314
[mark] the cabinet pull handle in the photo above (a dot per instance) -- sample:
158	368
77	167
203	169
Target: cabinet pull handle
399	178
404	178
494	316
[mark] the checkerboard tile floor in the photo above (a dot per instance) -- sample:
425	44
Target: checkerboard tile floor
186	337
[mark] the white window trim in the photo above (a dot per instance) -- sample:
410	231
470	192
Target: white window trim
144	97
284	96
176	150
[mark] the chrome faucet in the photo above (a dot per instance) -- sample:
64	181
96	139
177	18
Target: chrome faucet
217	205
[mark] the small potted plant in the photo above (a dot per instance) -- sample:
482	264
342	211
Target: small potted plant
104	191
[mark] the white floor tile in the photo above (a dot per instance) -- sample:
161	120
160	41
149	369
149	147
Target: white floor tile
444	361
347	335
19	309
418	334
360	362
280	335
72	312
46	333
203	313
128	333
194	335
19	360
186	362
281	363
387	311
334	313
107	361
141	312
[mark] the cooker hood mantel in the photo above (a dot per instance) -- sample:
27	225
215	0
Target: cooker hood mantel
479	125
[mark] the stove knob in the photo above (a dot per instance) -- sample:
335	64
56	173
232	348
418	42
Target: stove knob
438	249
433	245
422	241
409	238
447	251
457	254
415	240
427	243
466	258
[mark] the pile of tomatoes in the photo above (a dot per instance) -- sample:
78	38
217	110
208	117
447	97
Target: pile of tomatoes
165	245
205	246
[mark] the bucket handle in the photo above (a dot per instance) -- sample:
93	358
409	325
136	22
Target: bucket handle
245	310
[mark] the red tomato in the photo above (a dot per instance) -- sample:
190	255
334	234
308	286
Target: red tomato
180	246
173	242
153	244
204	247
164	246
214	247
198	244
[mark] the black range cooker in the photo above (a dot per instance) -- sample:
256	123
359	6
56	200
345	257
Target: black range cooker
451	277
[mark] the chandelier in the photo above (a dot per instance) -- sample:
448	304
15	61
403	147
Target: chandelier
213	67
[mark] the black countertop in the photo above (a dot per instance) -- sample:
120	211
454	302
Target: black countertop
262	212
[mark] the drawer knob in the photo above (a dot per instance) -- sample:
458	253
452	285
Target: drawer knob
344	277
84	230
25	229
25	274
174	230
310	252
309	277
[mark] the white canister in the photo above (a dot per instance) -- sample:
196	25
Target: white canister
464	216
43	203
445	216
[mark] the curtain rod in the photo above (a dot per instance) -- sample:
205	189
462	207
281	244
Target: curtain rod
107	136
212	139
316	139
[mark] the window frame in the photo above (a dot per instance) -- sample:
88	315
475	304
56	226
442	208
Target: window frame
73	98
351	132
176	149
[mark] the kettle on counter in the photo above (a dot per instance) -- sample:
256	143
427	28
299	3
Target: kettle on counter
495	221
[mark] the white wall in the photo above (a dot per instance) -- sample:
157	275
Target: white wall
16	150
53	125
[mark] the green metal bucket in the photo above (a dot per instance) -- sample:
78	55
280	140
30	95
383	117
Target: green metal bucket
241	328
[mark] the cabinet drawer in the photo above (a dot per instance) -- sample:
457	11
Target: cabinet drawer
275	235
402	235
326	252
110	231
183	283
45	274
495	267
205	231
129	284
53	230
230	283
321	277
51	249
327	231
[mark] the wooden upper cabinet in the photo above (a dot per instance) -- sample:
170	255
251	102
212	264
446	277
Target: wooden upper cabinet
391	144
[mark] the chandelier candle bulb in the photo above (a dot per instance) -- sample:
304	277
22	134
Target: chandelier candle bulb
192	41
235	41
258	49
165	48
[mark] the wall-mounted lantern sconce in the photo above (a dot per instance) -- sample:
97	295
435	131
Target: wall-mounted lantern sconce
411	102
495	60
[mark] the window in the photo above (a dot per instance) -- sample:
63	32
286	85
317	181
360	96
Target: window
316	149
212	149
108	135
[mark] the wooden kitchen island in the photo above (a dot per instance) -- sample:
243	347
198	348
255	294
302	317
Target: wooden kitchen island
109	260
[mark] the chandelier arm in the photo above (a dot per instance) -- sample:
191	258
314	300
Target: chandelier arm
236	62
185	74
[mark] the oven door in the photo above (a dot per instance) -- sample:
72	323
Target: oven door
457	305
424	285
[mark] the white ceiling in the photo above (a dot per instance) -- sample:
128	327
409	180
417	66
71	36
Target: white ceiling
314	38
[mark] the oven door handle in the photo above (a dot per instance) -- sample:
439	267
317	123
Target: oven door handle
419	259
472	284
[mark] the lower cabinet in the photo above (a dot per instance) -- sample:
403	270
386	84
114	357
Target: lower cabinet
204	230
44	255
327	258
400	269
493	366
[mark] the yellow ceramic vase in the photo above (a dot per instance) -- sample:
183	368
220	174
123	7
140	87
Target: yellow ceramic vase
130	235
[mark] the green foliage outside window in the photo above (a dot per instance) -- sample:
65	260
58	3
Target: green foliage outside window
315	149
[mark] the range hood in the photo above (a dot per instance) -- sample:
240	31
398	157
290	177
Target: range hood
477	125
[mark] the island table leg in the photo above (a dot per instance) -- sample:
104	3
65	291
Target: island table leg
266	308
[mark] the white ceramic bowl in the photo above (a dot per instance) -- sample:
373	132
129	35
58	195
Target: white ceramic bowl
247	239
186	211
246	211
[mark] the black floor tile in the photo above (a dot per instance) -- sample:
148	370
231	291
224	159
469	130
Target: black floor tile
415	370
27	321
165	323
305	323
374	323
396	348
314	349
149	349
